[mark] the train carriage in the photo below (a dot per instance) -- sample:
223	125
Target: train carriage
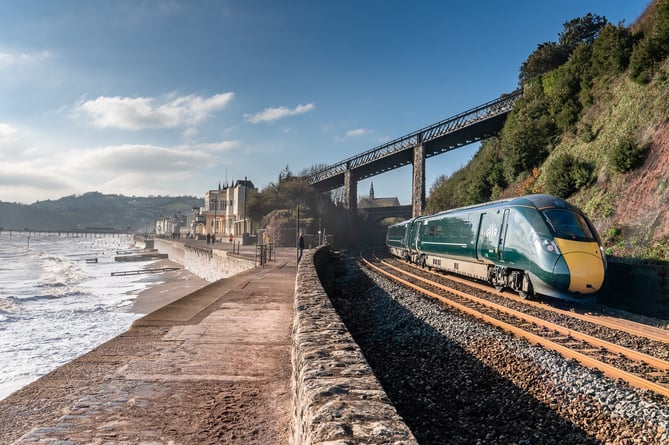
534	244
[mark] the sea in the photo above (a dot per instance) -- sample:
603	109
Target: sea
59	300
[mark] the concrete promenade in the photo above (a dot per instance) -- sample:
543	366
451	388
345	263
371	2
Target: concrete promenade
258	358
211	368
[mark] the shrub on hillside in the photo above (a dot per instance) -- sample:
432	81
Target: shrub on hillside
565	175
625	155
611	51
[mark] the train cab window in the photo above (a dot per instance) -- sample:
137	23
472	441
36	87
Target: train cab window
568	225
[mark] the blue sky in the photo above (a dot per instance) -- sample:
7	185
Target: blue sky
145	97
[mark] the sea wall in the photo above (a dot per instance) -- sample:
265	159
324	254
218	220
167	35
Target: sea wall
336	397
209	264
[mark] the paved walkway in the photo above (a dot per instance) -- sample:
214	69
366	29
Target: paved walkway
211	368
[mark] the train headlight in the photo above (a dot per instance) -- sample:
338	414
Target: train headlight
549	246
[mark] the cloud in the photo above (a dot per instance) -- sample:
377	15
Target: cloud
137	157
13	59
25	175
138	113
138	169
273	114
358	132
8	134
218	146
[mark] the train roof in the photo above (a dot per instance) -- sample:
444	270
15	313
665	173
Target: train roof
539	201
542	202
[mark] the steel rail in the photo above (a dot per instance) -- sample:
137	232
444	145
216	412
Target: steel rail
608	370
649	332
594	341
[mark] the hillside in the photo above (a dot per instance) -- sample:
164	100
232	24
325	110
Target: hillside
630	209
592	127
94	210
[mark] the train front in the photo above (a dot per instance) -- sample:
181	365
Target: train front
581	264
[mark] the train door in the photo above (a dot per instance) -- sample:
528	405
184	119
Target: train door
501	242
487	237
478	234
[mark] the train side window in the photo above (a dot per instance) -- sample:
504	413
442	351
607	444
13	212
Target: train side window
466	230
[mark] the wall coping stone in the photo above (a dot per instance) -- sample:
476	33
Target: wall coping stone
337	399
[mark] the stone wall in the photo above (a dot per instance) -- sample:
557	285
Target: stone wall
207	263
336	397
639	288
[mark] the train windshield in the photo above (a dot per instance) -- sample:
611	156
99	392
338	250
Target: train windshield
568	225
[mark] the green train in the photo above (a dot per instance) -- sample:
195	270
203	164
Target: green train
534	245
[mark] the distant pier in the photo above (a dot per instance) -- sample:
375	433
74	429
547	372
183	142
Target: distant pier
87	232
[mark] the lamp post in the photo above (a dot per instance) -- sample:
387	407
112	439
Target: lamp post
246	184
213	223
297	234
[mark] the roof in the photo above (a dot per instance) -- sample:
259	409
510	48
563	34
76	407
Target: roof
378	202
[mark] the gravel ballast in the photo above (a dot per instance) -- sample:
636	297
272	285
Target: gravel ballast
457	380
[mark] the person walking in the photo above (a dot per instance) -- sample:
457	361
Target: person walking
300	247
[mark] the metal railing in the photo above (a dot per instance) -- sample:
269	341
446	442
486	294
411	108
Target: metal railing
483	112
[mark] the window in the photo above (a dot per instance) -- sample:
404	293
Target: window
568	225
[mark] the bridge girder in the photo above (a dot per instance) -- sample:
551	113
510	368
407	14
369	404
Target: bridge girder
465	128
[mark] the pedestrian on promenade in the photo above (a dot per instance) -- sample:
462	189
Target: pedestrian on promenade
300	247
213	238
208	238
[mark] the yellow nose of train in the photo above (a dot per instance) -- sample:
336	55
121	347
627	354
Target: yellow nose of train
585	263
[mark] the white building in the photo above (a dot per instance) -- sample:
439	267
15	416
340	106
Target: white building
172	226
225	209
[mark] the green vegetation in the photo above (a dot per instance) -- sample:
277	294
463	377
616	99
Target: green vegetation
566	174
625	155
290	192
591	103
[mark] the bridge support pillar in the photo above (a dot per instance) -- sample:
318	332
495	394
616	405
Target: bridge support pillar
418	189
351	204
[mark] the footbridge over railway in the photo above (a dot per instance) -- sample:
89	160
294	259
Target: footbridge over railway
465	128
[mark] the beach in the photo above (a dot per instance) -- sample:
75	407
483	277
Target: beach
213	367
56	305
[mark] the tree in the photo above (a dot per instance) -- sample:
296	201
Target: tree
581	30
653	44
547	57
528	133
611	51
565	175
285	174
551	55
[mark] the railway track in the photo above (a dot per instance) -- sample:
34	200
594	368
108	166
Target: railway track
634	353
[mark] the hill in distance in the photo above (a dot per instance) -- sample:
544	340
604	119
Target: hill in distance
94	209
